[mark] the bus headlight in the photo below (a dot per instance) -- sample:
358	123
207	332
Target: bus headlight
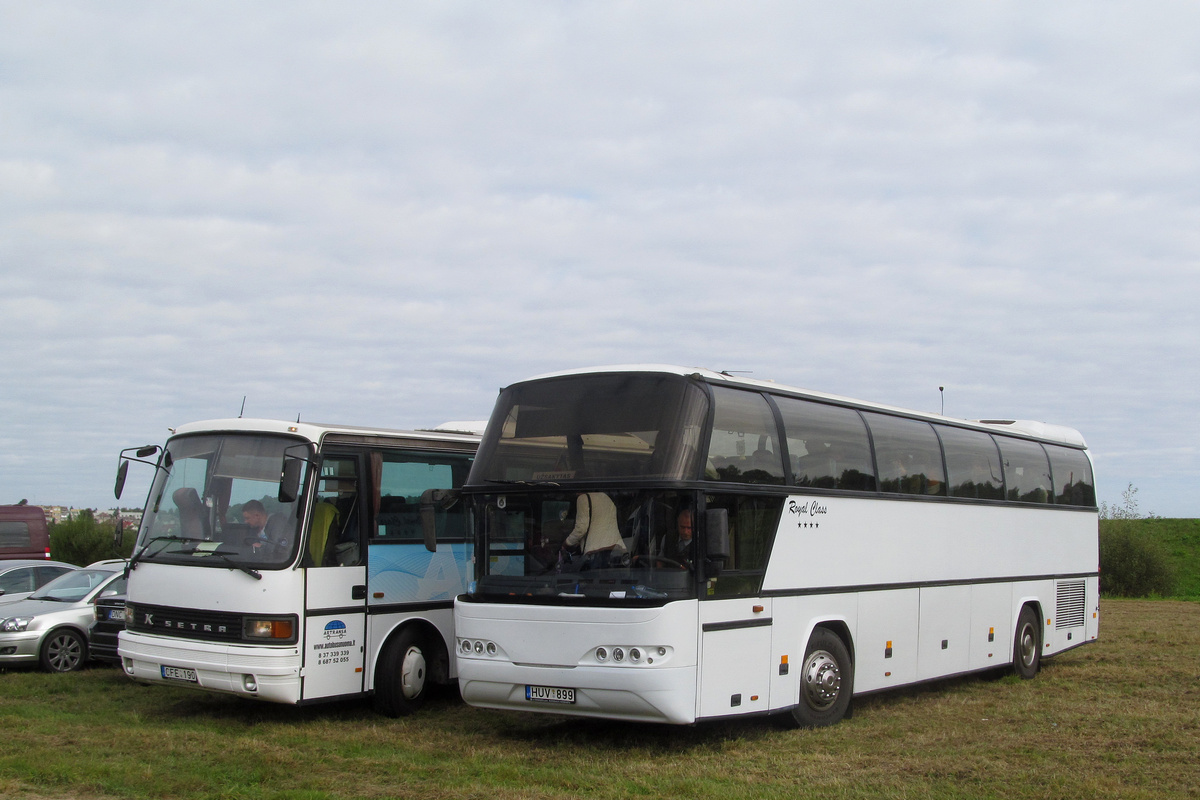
629	655
276	629
478	647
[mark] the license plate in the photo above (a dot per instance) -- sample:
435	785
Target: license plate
179	674
117	615
549	694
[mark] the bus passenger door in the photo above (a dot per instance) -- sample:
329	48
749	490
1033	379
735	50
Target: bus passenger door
336	581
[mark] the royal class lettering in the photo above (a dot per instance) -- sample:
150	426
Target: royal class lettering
810	508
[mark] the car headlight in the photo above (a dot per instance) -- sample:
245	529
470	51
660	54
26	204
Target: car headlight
14	624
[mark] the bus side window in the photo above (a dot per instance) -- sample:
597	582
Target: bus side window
828	446
744	446
1073	483
908	454
752	525
973	463
404	479
1026	470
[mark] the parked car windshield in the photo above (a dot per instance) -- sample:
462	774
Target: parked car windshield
73	586
215	503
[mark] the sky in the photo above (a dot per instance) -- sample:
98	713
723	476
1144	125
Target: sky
380	213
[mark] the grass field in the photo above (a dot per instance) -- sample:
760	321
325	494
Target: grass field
1119	718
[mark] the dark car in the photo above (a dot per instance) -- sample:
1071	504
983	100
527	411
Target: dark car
106	627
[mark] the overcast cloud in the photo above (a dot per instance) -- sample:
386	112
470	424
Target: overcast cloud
380	213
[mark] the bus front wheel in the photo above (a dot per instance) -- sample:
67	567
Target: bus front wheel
826	681
401	682
1027	648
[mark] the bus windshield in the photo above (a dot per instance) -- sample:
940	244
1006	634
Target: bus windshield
631	425
214	503
614	546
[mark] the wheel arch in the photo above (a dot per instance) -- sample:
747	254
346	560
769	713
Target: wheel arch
438	659
837	626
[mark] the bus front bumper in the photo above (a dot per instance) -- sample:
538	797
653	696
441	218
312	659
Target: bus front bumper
264	673
645	695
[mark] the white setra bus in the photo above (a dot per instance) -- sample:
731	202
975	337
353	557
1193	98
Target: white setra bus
668	544
295	562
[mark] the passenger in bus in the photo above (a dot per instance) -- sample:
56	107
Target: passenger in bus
595	532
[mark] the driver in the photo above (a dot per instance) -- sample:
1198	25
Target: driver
263	527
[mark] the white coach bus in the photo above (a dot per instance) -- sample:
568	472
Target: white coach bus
669	544
295	562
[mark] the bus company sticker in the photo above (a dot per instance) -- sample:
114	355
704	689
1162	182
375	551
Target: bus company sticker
335	649
807	513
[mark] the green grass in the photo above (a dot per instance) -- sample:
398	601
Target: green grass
1116	719
1181	539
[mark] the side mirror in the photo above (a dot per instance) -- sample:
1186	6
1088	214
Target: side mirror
716	525
122	471
289	481
431	501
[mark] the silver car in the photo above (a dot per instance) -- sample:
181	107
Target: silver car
50	626
21	577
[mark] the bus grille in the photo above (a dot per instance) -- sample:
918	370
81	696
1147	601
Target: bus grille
185	623
1071	599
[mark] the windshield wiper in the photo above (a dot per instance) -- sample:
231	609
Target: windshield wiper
224	556
133	561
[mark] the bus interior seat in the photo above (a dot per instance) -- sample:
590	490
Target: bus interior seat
193	514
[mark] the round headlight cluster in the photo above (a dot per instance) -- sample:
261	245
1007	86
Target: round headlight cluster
631	654
477	647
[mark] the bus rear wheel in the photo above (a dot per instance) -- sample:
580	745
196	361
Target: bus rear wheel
1027	647
826	681
402	679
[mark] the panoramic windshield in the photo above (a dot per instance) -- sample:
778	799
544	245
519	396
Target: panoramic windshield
617	546
640	425
215	503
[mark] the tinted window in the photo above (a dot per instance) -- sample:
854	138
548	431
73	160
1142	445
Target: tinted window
594	426
17	580
14	534
1026	470
827	445
745	443
1073	485
972	463
908	455
752	525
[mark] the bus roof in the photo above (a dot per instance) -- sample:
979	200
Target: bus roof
316	431
1018	427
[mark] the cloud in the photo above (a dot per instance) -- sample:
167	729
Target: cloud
382	213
